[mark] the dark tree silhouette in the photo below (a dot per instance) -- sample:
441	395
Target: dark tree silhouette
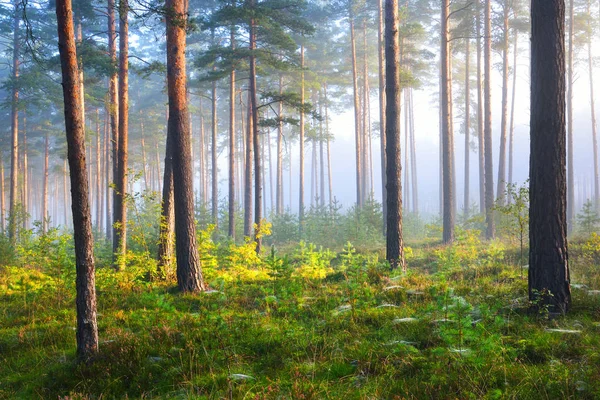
548	254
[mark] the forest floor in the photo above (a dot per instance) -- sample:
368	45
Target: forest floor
456	325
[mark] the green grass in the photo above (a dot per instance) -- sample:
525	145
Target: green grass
454	327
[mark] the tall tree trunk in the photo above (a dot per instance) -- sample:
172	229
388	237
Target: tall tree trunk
45	185
87	327
25	205
480	116
570	166
489	163
413	156
113	109
447	139
593	113
248	173
144	161
2	196
467	124
14	112
107	177
381	64
65	197
213	152
511	132
258	182
321	155
279	183
301	146
365	124
268	138
504	122
394	242
406	191
231	231
120	204
189	271
98	171
202	158
548	251
357	133
329	148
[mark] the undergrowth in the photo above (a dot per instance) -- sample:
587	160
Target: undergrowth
308	324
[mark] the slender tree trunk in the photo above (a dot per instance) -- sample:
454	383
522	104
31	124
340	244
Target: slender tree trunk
202	157
489	163
87	327
189	271
213	151
570	166
268	138
279	184
593	113
113	109
232	140
321	155
45	185
143	145
2	196
511	132
25	205
447	139
98	172
65	197
548	251
394	242
503	127
381	63
258	182
107	179
301	145
413	156
357	133
480	116
328	148
14	160
406	191
365	139
120	204
467	125
248	173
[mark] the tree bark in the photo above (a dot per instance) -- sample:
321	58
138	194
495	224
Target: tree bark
480	118
258	181
45	185
232	138
467	124
381	64
189	271
570	157
248	173
489	163
413	156
447	139
87	327
548	255
213	153
113	109
394	242
511	133
14	112
301	146
504	121
357	133
593	112
279	179
120	204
